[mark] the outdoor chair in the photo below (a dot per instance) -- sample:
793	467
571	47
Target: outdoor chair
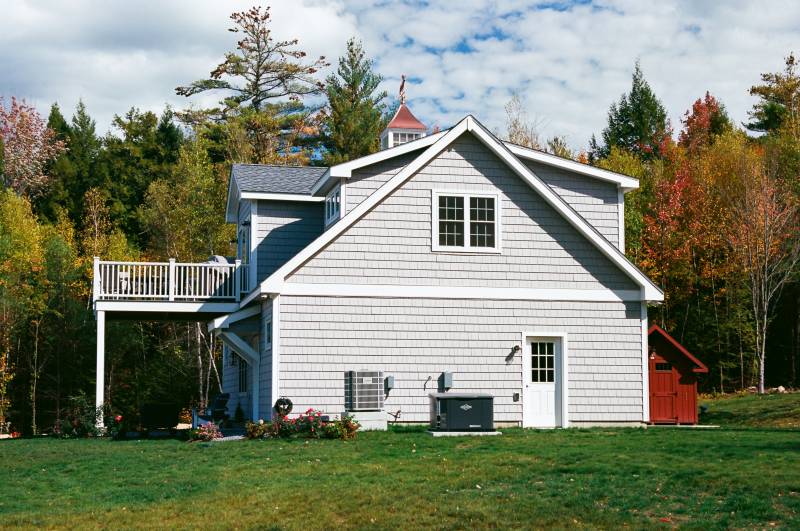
216	412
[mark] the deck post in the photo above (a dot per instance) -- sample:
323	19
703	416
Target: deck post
97	282
171	280
237	280
101	364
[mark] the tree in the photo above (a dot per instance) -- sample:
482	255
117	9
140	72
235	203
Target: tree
558	147
28	145
184	214
353	120
702	124
763	224
637	123
75	170
779	100
145	150
20	261
519	128
261	68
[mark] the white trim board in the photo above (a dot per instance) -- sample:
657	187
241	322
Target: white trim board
645	366
625	182
276	349
274	283
226	320
280	197
157	307
457	292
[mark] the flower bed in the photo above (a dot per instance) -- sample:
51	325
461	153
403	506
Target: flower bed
310	424
206	432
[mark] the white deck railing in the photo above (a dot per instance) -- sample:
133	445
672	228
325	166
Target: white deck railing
169	281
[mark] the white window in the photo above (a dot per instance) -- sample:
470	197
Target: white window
465	222
243	251
402	138
243	376
333	205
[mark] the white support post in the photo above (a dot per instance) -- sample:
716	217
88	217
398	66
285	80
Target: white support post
255	371
97	283
237	280
101	364
171	280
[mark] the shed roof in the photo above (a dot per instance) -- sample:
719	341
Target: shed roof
267	178
699	366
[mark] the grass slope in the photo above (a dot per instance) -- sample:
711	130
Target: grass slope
779	411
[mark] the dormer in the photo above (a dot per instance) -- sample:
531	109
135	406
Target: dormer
404	126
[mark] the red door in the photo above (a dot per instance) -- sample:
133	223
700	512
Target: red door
663	391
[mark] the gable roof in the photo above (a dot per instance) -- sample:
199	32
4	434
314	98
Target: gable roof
650	291
699	366
270	182
345	170
404	119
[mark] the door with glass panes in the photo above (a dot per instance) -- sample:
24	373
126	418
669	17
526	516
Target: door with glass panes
541	406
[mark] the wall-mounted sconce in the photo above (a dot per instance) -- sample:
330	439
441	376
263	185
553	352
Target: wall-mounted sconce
514	350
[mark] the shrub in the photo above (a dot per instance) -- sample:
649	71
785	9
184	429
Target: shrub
116	427
80	419
308	425
238	416
206	432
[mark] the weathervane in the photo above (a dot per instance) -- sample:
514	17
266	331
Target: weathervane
402	89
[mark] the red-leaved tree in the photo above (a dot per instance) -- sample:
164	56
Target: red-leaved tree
27	146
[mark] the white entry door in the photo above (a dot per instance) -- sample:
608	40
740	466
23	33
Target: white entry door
541	407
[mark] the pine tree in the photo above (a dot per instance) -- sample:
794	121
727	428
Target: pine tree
353	120
637	123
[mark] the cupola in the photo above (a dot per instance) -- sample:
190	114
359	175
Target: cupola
404	126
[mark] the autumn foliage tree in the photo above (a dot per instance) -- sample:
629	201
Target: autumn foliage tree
28	145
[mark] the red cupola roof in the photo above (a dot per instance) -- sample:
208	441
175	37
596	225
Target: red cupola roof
403	119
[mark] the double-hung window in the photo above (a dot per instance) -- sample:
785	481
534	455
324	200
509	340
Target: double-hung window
466	222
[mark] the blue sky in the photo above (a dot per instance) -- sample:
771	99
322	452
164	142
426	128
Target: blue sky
567	60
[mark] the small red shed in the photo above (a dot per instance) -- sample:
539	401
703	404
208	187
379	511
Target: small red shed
673	380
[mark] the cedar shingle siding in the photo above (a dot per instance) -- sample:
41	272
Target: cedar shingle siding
413	339
392	243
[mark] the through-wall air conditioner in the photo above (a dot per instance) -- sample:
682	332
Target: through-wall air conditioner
363	390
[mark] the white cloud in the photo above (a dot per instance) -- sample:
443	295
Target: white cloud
567	64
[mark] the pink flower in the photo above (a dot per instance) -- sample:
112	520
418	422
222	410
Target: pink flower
118	418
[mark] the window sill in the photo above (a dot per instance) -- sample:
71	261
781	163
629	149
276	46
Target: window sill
462	250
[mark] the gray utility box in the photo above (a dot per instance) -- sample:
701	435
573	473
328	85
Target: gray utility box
462	412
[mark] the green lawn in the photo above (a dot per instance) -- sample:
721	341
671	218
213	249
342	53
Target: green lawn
607	478
763	411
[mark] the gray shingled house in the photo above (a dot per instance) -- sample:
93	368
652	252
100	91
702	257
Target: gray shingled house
452	252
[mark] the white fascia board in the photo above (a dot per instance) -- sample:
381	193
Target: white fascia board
321	182
226	320
346	170
457	292
623	181
265	196
275	282
159	307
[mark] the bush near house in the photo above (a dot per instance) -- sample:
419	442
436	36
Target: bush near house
311	425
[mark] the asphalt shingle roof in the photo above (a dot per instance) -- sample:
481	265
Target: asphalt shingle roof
276	179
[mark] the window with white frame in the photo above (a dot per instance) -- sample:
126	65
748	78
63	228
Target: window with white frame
333	205
244	244
243	373
402	138
466	222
